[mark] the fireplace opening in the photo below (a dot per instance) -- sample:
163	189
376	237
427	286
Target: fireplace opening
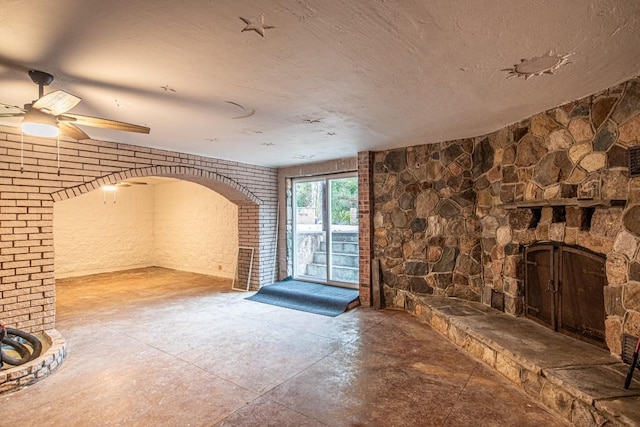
564	290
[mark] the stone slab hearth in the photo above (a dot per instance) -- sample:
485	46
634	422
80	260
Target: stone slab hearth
578	381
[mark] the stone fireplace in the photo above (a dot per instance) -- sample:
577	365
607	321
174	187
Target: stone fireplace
459	218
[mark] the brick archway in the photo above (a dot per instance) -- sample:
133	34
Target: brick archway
35	178
247	202
221	184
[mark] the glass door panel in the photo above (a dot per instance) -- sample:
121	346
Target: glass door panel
310	256
343	229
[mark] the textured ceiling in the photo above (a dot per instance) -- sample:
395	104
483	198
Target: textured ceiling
332	78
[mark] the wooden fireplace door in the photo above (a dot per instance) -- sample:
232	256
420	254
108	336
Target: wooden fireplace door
564	290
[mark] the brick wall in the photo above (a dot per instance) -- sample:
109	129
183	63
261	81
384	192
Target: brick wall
365	197
27	286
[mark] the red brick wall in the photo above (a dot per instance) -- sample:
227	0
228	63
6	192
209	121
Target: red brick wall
27	285
365	188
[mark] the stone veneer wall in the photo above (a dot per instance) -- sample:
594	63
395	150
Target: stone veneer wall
446	220
27	286
426	232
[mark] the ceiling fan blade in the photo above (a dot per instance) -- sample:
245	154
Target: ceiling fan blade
11	114
56	102
107	124
12	107
68	129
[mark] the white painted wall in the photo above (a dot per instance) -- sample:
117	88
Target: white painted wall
91	236
177	225
196	229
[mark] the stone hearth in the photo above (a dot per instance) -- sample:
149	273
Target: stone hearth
578	381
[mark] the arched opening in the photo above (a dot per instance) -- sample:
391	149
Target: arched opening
247	222
146	222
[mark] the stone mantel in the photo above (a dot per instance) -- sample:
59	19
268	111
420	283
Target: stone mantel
581	203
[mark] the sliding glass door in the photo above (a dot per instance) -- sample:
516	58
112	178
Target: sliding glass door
325	221
310	233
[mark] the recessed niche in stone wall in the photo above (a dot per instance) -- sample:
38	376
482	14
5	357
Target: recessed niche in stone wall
585	218
536	215
559	214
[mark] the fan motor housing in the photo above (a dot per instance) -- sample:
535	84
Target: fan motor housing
40	77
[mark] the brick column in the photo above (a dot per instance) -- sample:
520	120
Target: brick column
27	288
248	236
268	271
365	201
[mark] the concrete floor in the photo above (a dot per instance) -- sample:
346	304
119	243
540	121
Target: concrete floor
161	347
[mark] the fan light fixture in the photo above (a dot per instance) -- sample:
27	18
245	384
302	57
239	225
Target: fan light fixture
110	188
37	123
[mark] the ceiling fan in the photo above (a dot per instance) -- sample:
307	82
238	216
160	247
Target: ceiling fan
48	115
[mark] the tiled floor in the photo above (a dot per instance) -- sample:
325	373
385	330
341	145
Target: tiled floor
158	347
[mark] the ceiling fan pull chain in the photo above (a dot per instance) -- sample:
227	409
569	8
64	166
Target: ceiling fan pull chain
58	153
21	152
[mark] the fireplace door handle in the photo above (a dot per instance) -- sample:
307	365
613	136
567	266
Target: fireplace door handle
550	287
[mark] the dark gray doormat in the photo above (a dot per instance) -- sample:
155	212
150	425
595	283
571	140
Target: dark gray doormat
305	296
